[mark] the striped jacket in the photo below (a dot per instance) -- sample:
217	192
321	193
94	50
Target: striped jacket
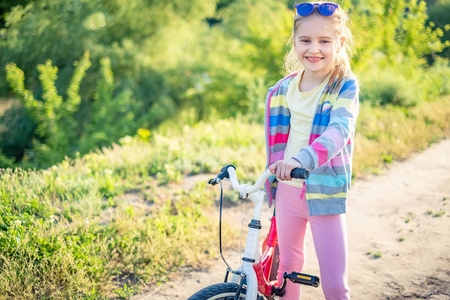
329	153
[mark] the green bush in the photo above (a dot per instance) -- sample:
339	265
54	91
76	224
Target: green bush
404	86
438	14
388	88
108	117
16	132
435	78
56	126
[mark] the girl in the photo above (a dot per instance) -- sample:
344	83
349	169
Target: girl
310	123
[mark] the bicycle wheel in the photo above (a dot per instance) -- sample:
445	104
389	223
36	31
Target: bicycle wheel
221	291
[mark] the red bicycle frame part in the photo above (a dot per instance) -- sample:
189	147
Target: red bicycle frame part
263	268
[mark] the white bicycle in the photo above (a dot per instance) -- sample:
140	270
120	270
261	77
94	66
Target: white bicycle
255	279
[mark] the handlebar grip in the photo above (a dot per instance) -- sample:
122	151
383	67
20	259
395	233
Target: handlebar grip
300	173
223	174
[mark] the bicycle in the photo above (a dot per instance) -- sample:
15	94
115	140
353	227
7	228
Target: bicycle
255	279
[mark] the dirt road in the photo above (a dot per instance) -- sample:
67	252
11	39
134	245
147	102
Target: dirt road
399	240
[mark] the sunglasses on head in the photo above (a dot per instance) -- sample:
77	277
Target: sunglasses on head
325	9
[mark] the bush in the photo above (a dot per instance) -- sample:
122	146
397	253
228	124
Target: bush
16	131
59	130
56	127
387	87
438	16
436	78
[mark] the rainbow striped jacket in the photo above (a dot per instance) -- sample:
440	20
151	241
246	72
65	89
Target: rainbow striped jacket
329	153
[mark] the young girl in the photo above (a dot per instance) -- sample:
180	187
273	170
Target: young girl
310	123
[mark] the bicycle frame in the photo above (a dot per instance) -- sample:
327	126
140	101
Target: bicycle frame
265	284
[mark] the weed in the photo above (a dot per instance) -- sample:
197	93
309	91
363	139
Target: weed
125	292
374	255
440	213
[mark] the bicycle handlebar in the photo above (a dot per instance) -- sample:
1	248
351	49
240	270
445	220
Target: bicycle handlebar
300	173
230	172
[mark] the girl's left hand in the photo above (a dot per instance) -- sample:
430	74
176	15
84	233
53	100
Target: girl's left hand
282	168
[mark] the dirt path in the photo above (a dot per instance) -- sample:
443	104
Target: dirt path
399	242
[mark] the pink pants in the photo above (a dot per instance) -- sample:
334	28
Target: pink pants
330	240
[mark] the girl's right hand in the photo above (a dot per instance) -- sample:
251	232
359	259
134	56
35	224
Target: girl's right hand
282	168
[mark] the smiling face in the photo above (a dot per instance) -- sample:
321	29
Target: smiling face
317	45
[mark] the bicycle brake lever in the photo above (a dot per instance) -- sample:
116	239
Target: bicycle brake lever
223	174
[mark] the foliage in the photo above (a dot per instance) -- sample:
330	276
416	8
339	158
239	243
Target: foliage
438	16
389	133
247	46
214	60
109	116
108	223
6	6
16	131
53	116
435	78
393	33
388	87
401	87
169	63
141	38
73	223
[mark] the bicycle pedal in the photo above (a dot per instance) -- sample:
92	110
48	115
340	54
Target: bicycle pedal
303	279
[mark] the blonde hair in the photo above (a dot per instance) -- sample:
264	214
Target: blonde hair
341	67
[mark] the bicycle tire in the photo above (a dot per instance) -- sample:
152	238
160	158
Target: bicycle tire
222	291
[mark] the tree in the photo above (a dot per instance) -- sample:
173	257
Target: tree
439	17
139	37
6	6
393	32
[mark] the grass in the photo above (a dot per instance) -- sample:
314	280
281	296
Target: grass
437	214
410	216
76	224
374	255
103	225
392	133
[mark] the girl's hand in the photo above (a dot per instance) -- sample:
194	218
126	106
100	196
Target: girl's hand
282	168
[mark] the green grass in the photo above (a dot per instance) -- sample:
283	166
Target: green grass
390	133
374	255
103	225
438	214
